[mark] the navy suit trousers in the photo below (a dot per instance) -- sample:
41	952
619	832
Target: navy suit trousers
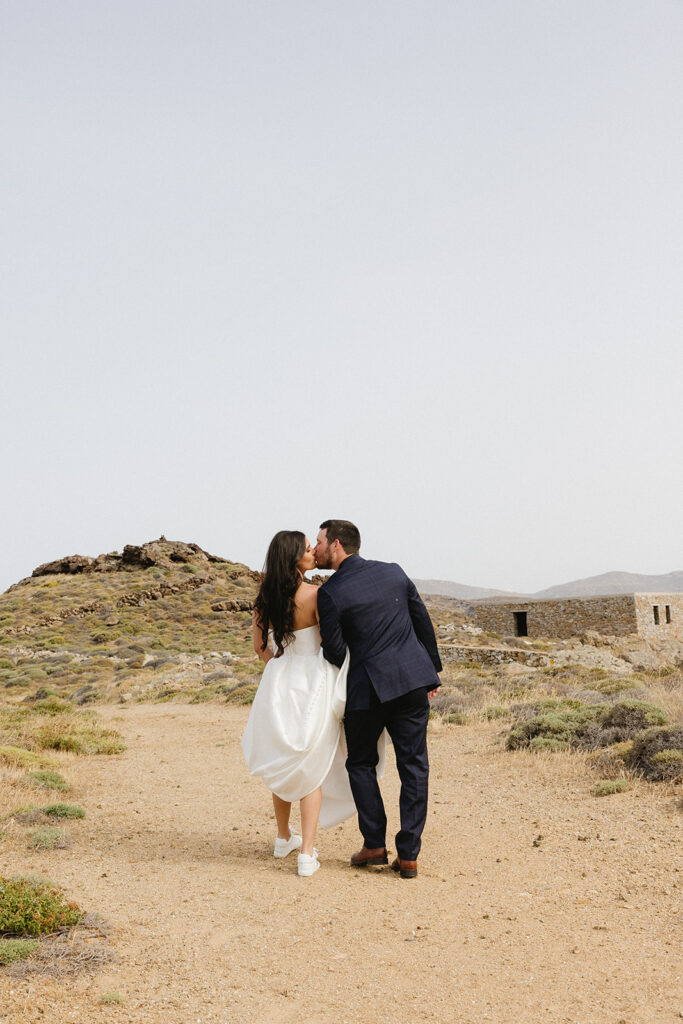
405	719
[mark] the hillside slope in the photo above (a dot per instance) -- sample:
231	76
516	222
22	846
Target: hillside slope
165	615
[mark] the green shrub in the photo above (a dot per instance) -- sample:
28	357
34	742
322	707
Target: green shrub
52	705
35	673
496	711
64	811
611	686
608	786
32	906
633	716
575	724
49	838
548	743
455	718
242	695
111	999
16	949
47	780
658	754
202	696
562	721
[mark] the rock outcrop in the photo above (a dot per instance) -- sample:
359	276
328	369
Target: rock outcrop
161	552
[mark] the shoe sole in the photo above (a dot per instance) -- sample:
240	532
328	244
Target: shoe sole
372	862
405	872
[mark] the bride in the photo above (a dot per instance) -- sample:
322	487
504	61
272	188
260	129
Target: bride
293	738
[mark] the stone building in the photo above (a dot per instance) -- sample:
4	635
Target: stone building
651	615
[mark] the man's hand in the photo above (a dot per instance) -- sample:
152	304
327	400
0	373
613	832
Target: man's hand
432	693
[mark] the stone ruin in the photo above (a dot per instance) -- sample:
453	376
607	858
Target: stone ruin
647	615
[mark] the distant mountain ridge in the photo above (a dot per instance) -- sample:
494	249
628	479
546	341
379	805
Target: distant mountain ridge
591	586
616	583
447	588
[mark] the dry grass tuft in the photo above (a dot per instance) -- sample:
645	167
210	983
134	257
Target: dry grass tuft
606	787
18	757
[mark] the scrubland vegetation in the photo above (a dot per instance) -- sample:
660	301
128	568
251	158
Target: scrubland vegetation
70	642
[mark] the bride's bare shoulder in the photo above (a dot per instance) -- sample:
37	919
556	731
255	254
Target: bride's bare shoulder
307	593
306	606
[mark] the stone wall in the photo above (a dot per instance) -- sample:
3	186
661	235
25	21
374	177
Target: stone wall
645	605
611	615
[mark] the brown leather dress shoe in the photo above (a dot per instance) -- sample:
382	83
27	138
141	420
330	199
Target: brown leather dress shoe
405	868
371	858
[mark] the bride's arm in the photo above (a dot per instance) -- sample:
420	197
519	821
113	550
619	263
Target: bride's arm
257	632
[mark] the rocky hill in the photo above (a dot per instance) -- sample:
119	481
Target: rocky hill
164	617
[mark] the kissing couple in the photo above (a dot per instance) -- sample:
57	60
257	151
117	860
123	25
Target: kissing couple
360	650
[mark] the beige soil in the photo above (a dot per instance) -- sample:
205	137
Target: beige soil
577	926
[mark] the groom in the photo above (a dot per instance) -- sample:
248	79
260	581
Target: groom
374	609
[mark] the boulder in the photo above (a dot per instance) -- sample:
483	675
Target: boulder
71	564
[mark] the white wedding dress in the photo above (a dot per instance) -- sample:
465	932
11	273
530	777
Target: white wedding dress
294	737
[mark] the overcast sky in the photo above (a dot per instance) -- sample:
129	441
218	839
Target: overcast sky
418	265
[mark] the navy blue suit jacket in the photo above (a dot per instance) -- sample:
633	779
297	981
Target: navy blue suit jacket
375	610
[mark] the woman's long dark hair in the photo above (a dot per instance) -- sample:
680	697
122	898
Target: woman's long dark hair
274	605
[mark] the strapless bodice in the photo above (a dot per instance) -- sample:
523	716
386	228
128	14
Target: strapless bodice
306	642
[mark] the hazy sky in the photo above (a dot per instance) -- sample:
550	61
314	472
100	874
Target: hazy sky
418	265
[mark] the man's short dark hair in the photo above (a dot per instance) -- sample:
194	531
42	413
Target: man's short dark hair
345	532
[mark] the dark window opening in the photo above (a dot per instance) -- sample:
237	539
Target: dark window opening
655	612
667	612
520	624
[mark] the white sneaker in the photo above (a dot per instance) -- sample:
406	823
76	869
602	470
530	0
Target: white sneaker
308	865
283	847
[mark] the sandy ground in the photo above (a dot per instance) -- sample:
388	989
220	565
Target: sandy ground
581	925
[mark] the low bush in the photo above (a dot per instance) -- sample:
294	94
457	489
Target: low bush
562	722
202	696
49	838
608	786
611	686
633	716
64	811
449	717
242	695
34	906
495	711
47	780
111	999
548	744
573	723
657	754
12	950
51	705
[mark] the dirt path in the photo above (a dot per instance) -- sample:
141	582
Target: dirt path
581	925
